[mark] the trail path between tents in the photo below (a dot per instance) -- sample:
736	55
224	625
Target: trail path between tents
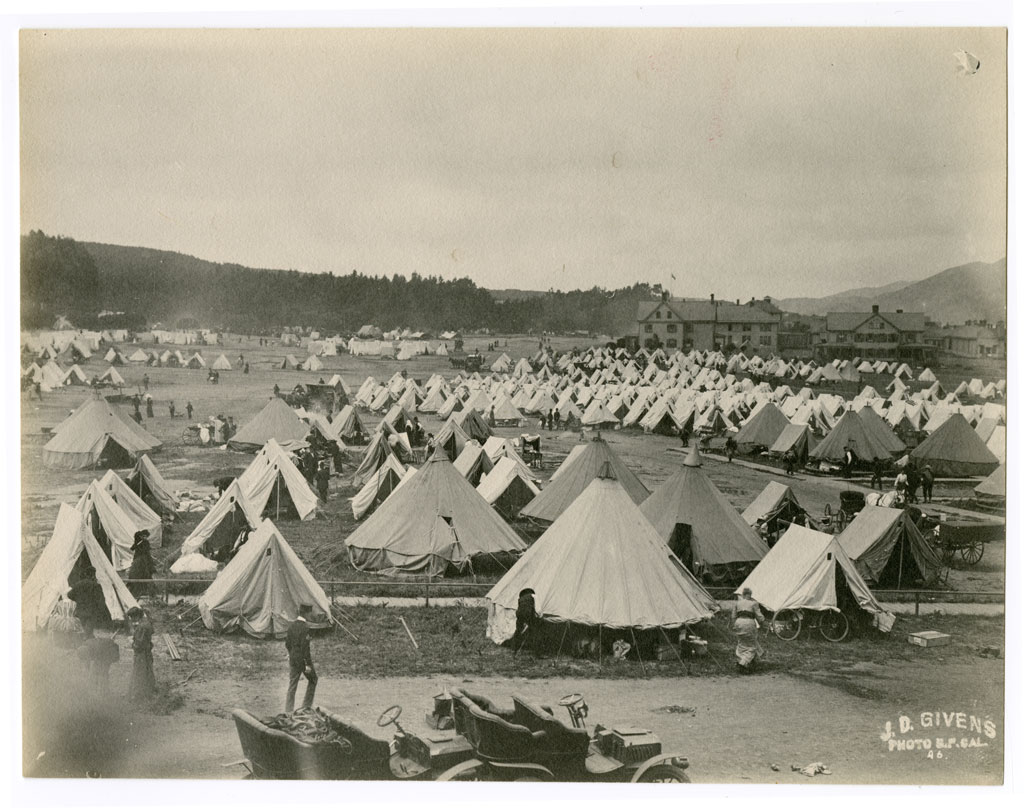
732	729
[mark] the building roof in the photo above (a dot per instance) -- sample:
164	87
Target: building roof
851	320
723	311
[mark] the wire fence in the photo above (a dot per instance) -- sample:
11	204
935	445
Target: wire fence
426	590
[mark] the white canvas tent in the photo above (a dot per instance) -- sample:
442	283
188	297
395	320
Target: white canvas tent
112	526
47	584
600	563
800	572
260	590
221	525
272	479
132	504
146	481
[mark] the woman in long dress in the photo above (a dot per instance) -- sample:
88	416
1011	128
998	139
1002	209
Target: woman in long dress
747	619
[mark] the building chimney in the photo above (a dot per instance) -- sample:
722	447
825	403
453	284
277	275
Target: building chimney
899	311
874	309
737	301
712	297
664	296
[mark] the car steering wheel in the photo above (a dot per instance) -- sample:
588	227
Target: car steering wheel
571	700
389	716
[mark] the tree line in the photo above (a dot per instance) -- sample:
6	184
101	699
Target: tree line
62	276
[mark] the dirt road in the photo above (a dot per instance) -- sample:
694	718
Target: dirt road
731	728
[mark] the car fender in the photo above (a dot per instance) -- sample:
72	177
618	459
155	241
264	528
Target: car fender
513	771
657	760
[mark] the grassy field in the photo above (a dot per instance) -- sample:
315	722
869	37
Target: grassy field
452	641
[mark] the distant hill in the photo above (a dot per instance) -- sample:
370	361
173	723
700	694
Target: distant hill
970	292
62	276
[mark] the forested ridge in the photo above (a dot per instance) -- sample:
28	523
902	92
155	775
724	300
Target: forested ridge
62	276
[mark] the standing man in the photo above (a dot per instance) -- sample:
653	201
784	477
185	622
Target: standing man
149	406
143	680
927	481
913	481
145	382
140	573
37	388
876	474
300	660
188	410
170	408
323	478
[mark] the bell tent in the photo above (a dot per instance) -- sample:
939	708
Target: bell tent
955	450
275	421
701	526
600	564
97	434
431	525
260	590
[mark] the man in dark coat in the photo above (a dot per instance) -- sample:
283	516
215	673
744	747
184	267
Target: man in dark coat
323	478
300	660
90	606
927	481
526	618
913	481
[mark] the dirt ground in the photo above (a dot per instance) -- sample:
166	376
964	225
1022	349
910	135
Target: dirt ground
832	712
731	728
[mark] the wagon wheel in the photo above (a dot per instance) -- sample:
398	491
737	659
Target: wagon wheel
827	518
972	553
841	518
834	626
787	623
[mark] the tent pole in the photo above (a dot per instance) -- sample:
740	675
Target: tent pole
558	654
676	650
899	576
639	656
277	516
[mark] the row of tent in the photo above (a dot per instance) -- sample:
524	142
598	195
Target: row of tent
604	563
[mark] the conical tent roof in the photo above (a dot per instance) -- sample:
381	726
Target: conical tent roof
222	522
260	590
955	450
95	431
994	485
434	521
507	485
601	564
276	420
763	428
146	481
578	470
873	421
269	472
851	431
718	533
799	572
48	581
888	549
222	363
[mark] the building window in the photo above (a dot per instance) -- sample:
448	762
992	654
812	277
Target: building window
657	315
648	328
671	328
766	340
746	327
729	327
668	314
670	343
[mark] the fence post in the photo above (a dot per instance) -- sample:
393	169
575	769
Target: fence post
427	592
166	587
917	604
331	586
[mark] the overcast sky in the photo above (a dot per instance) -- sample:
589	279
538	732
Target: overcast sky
743	162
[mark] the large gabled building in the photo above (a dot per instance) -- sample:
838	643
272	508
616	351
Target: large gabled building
687	324
889	335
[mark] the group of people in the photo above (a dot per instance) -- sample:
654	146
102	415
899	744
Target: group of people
551	421
908	480
316	468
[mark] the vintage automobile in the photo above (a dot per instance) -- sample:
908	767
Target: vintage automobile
530	743
272	754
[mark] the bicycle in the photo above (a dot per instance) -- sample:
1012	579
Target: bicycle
786	624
